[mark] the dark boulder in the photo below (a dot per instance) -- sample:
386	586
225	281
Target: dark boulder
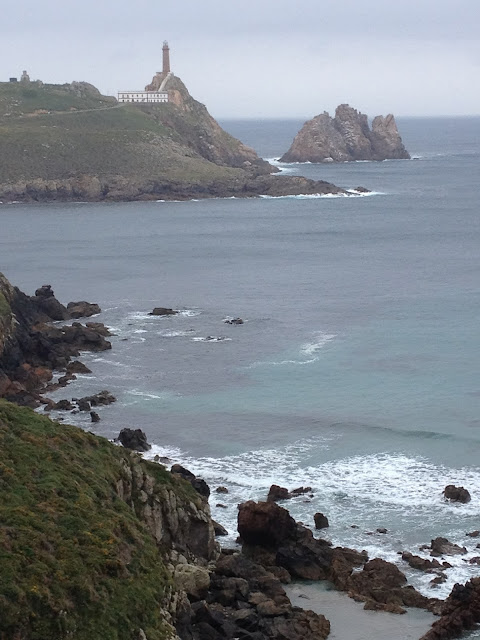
219	529
162	311
134	439
201	486
63	405
278	493
321	521
221	490
94	416
83	404
233	321
460	612
101	398
77	367
442	547
264	523
422	564
82	309
456	494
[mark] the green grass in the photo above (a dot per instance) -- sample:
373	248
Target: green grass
18	98
75	560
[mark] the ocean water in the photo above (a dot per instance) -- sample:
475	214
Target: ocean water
356	371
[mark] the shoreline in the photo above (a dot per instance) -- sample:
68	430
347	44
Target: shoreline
349	620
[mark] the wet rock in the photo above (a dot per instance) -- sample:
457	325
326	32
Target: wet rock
321	521
134	439
278	493
460	612
99	328
63	405
382	530
422	564
46	302
221	490
439	579
101	398
83	404
219	529
162	311
456	494
233	321
94	416
442	547
82	309
301	491
77	367
473	534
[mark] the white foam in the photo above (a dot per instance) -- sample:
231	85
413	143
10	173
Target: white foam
311	348
188	313
175	334
164	395
211	339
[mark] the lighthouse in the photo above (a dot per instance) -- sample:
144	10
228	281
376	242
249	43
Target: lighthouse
166	58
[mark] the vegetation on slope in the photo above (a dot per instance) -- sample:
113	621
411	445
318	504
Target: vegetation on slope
76	561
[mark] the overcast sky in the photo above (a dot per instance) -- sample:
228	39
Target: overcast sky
259	58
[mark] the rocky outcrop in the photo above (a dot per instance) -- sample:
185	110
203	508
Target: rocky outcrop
134	439
271	537
460	612
346	137
31	348
457	494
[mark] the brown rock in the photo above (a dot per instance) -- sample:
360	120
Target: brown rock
460	612
456	494
442	547
162	311
278	493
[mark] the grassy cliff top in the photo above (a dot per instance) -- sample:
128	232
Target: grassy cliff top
58	132
76	561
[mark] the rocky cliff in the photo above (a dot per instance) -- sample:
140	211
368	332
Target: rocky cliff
346	137
70	143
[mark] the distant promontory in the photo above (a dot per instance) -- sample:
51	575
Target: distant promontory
346	137
70	143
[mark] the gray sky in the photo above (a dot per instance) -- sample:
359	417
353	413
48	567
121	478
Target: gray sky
259	58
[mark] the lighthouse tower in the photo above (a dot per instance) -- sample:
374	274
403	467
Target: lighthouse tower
166	58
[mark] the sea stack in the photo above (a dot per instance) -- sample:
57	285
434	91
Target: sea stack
346	137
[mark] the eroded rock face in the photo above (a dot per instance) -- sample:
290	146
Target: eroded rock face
30	347
461	612
134	439
346	137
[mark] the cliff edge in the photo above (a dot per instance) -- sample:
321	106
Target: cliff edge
346	137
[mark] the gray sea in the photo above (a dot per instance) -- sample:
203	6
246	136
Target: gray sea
356	371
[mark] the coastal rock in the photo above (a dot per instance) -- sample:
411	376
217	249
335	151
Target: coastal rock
278	493
192	579
233	321
221	490
77	367
460	612
46	302
134	439
321	521
442	547
264	523
456	494
346	137
423	564
162	311
94	417
82	309
197	483
219	529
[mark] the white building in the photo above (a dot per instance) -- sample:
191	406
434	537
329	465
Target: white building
142	96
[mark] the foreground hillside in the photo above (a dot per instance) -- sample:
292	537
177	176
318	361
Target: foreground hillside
68	142
78	554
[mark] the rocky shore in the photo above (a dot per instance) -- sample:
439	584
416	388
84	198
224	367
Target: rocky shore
81	506
346	137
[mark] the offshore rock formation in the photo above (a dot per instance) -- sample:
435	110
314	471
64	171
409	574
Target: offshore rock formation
346	137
